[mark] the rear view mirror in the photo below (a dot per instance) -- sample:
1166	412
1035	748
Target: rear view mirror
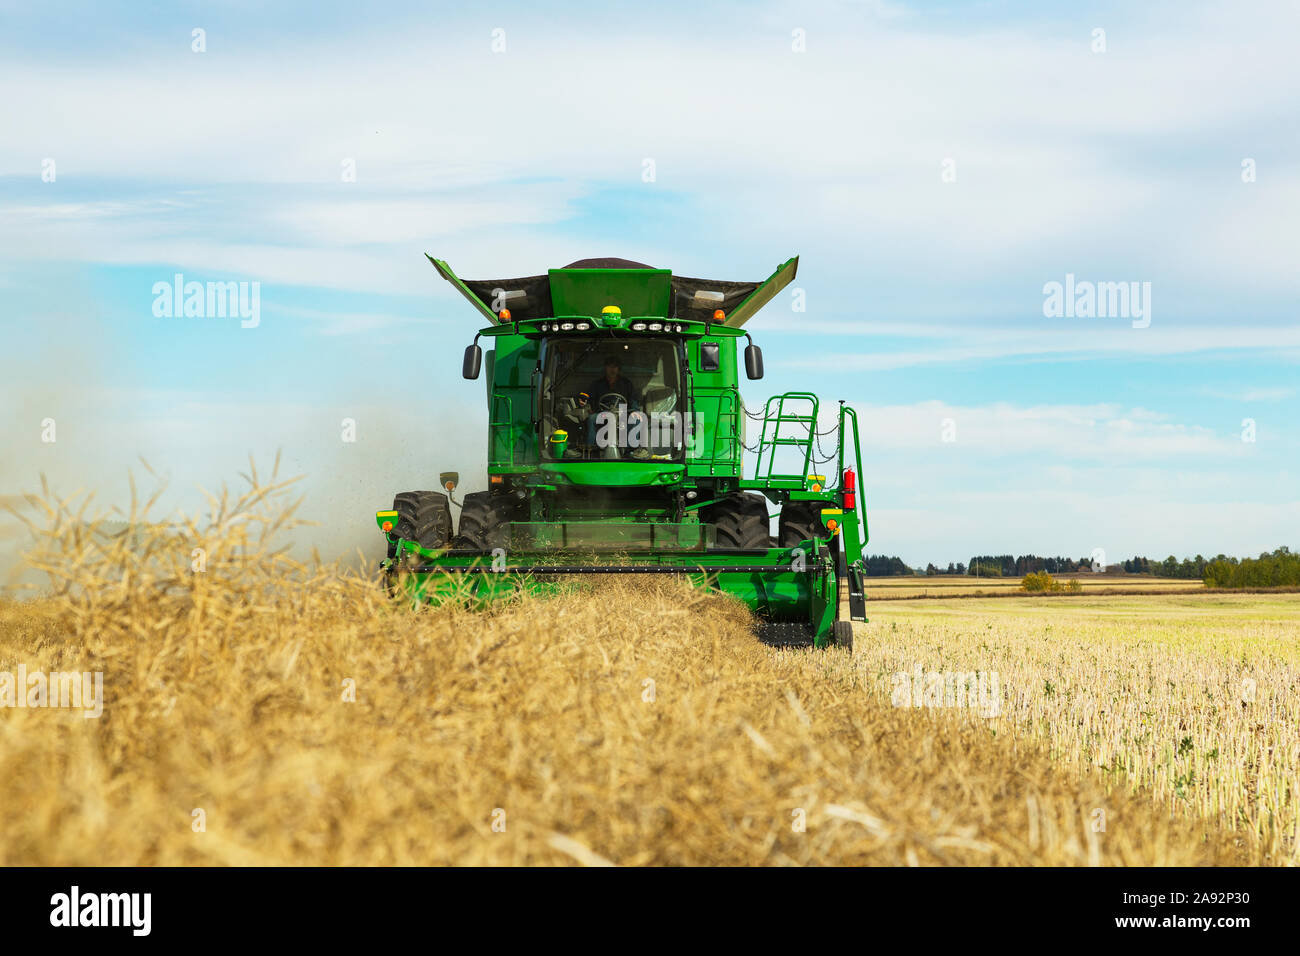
710	356
473	361
753	361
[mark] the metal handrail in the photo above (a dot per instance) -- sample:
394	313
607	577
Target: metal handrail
861	505
508	424
770	445
733	396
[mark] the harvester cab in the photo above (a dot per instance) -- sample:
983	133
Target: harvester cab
617	444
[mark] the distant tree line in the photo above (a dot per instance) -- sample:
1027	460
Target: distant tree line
1170	567
1280	568
880	566
1006	565
987	566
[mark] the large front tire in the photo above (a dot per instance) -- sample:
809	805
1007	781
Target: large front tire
485	521
740	521
801	521
423	517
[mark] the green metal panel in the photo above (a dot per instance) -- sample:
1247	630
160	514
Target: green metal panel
764	294
641	292
444	270
609	536
614	473
718	410
512	440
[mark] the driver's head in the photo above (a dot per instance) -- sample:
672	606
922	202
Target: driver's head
613	365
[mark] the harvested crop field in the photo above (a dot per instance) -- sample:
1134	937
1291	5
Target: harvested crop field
1191	698
263	712
911	586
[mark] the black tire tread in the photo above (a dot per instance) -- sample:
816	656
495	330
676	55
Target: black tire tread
801	521
484	521
741	522
423	517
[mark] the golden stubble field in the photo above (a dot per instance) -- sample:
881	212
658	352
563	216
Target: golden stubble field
1192	698
310	722
914	586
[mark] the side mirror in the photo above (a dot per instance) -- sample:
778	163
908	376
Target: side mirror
753	361
710	356
473	361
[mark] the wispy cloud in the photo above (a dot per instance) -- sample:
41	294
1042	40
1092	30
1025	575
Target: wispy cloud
1051	143
1053	434
1252	394
347	323
1180	339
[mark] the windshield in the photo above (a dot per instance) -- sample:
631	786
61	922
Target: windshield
612	400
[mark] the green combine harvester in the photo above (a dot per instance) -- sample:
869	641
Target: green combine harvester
616	433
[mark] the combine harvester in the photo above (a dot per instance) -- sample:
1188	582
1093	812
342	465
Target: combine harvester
616	433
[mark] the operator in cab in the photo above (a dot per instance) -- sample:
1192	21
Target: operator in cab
604	392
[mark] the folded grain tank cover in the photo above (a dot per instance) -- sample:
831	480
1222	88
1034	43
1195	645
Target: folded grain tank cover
698	299
526	298
529	297
764	293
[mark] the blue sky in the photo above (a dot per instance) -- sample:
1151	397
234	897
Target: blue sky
924	297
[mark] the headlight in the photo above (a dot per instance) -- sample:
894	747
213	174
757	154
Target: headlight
583	326
655	326
638	326
566	326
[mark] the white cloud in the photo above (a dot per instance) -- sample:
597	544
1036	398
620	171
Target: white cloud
1048	338
349	323
1051	433
1252	394
418	219
1052	143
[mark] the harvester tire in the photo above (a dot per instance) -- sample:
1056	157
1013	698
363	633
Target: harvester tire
423	517
741	522
801	521
842	633
485	521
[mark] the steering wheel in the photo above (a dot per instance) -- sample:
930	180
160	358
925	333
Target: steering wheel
611	400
